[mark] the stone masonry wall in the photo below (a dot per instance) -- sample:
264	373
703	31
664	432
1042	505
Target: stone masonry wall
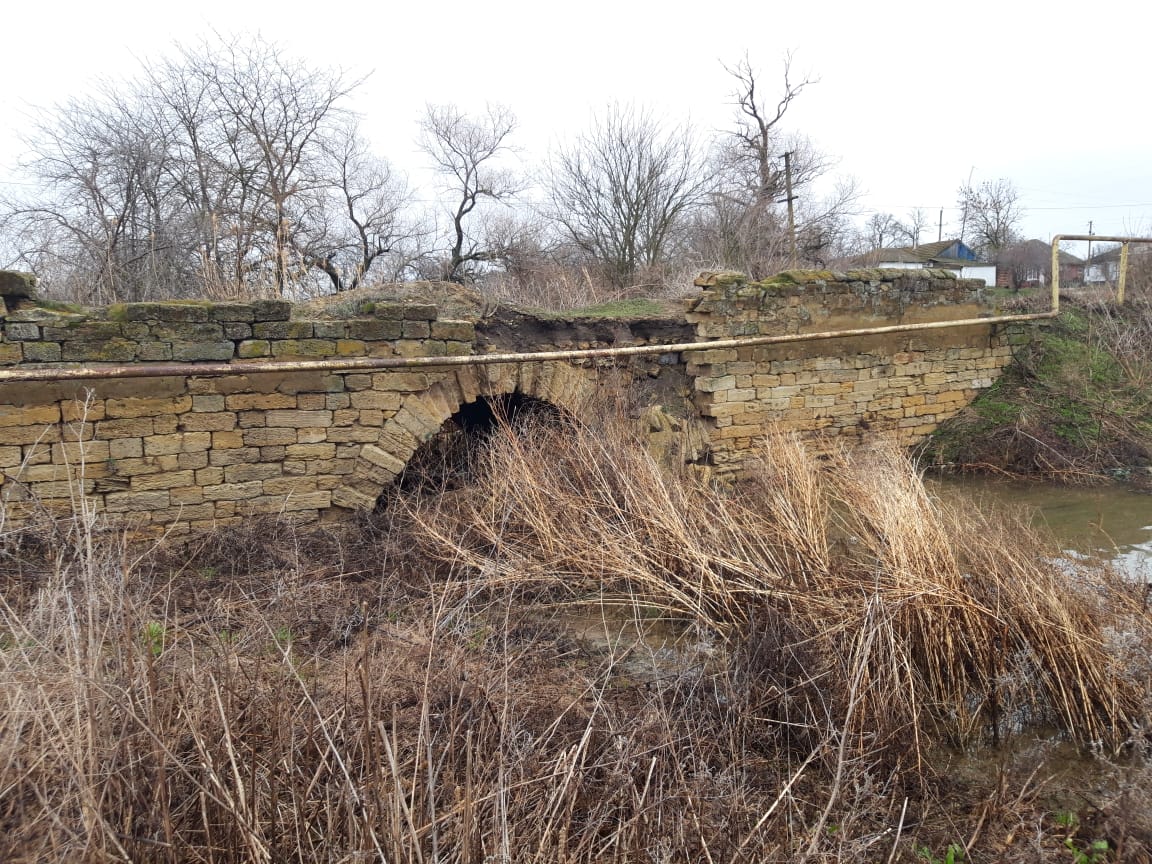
195	452
186	452
902	384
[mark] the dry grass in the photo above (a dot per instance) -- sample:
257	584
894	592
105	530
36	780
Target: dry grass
406	689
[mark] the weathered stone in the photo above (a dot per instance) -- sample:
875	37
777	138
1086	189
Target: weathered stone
303	348
254	348
186	332
18	332
237	331
299	419
105	351
192	351
232	312
459	331
282	330
271	310
17	286
371	331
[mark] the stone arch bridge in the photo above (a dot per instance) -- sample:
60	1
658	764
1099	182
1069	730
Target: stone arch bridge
188	415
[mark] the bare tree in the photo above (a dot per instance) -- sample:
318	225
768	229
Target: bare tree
224	168
465	151
745	225
913	225
992	214
621	191
755	145
882	230
358	216
277	111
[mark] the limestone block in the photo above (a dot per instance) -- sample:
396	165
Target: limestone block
243	473
131	502
133	427
459	331
713	385
270	436
217	422
406	382
100	350
259	401
234	456
252	348
299	419
318	450
21	332
353	499
282	330
233	491
178	442
311	401
415	330
195	461
164	480
329	329
193	351
227	440
303	347
31	416
42	352
147	406
375	400
374	330
251	419
271	310
208	402
294	486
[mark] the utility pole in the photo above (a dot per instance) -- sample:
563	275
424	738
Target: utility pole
940	230
791	212
1088	263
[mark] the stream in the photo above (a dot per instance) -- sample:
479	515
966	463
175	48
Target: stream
1103	523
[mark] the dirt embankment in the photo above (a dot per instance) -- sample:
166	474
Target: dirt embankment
1076	406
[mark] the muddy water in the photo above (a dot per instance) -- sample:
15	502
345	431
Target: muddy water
1106	524
1109	524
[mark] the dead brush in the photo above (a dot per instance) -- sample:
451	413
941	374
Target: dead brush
903	622
197	706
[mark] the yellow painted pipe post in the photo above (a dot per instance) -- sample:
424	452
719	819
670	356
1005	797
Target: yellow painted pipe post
1123	273
1056	272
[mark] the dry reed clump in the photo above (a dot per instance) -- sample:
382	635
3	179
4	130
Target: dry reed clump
858	608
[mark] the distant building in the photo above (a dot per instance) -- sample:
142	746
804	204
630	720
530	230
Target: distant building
947	255
1029	265
1104	266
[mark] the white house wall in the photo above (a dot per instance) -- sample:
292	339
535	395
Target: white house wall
986	272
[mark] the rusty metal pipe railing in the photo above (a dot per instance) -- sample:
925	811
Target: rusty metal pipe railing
1105	238
371	364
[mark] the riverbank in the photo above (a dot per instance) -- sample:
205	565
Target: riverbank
871	674
1075	408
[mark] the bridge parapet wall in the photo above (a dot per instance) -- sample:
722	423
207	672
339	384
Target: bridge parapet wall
903	384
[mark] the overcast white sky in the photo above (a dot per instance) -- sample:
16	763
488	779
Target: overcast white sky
912	97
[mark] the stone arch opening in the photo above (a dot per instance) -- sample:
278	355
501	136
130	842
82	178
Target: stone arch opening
471	398
447	459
